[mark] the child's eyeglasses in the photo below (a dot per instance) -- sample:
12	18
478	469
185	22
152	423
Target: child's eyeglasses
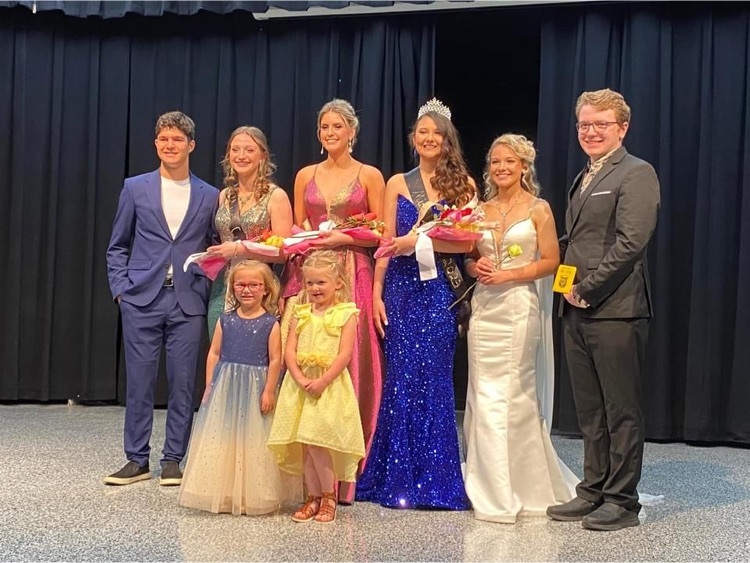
252	286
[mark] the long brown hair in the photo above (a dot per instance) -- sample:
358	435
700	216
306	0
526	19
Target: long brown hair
266	167
451	178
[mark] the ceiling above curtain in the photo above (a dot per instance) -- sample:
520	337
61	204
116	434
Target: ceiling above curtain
259	8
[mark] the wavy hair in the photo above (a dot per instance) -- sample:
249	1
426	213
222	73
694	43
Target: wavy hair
176	120
524	149
266	167
603	100
332	263
451	178
270	301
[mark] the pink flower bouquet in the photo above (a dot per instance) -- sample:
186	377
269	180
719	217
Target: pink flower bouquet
363	226
266	244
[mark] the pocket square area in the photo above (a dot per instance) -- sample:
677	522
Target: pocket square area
600	193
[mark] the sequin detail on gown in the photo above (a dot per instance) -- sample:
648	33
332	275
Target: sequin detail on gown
229	468
414	461
253	221
366	367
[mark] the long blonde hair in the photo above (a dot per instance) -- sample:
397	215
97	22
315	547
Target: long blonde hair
270	301
332	263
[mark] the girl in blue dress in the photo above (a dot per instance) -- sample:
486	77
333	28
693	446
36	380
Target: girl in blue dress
414	461
229	468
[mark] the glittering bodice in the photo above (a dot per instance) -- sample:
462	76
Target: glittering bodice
245	341
347	201
514	250
253	221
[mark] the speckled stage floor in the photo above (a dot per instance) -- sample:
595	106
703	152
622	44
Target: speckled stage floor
53	506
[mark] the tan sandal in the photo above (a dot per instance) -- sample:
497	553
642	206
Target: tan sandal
327	512
308	510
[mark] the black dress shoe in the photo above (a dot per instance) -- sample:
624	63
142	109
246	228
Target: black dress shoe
130	473
572	511
610	517
170	474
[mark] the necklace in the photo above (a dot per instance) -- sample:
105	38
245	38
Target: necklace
504	214
245	199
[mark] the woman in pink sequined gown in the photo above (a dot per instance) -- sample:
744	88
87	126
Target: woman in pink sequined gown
333	190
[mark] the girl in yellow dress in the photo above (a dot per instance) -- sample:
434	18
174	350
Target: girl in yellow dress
317	430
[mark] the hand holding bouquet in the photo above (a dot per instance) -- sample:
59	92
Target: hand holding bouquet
213	260
362	226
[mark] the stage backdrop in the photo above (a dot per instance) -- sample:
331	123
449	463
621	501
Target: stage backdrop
683	68
78	102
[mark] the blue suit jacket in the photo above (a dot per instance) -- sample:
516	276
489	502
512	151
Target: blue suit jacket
141	247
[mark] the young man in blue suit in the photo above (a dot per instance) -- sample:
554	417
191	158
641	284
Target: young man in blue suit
162	217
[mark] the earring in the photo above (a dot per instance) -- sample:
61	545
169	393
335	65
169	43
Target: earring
321	149
349	145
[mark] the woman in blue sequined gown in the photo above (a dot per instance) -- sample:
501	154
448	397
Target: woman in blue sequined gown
414	461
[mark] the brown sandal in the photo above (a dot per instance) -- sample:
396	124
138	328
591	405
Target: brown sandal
327	512
308	510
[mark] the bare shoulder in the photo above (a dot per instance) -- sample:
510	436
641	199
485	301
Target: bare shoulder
278	195
305	174
396	185
371	175
540	210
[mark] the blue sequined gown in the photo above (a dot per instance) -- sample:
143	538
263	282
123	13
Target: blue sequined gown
414	461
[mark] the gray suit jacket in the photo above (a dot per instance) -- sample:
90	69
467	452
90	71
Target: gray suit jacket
606	238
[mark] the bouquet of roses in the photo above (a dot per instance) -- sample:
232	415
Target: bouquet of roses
451	223
267	244
448	223
361	226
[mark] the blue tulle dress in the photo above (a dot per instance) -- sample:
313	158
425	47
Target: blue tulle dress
414	461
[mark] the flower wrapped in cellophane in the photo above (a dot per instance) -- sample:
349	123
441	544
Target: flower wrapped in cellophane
361	226
447	223
266	244
466	223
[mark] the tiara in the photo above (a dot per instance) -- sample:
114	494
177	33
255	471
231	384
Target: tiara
436	106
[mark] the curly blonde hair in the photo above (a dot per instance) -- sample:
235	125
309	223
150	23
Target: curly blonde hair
603	100
270	301
451	179
524	149
266	167
332	263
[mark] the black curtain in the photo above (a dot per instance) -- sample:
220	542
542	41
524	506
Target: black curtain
683	68
78	104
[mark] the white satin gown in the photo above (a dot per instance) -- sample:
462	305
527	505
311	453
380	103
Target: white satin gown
511	466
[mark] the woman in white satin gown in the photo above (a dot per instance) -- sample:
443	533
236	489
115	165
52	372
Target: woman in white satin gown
511	466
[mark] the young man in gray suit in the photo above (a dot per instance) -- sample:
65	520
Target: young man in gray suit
611	215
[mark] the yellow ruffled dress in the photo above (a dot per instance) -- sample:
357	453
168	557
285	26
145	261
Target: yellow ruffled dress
332	420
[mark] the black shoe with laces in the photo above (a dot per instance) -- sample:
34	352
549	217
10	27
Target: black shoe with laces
170	474
130	473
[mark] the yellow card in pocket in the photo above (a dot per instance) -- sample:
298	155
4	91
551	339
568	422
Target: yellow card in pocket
564	278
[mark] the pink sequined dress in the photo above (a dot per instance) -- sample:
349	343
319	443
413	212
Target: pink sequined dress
366	367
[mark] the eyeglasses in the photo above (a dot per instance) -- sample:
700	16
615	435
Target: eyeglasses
252	286
599	126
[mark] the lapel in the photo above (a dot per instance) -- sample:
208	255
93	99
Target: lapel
196	199
571	191
153	193
606	169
